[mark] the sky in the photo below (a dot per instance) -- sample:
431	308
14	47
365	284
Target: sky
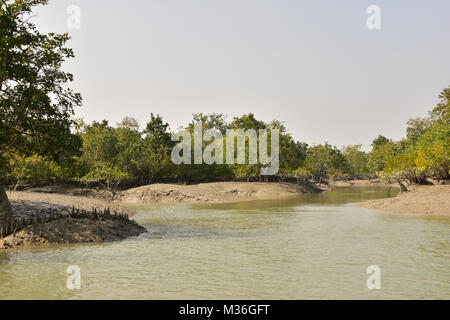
313	64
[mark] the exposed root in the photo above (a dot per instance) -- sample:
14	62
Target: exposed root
73	223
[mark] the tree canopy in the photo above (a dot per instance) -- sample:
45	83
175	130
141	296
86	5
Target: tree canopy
36	103
124	155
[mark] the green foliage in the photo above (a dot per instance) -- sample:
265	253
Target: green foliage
357	161
441	113
416	128
402	166
210	121
381	153
35	169
292	153
379	142
110	176
156	148
124	155
425	153
36	105
433	151
325	161
114	155
246	122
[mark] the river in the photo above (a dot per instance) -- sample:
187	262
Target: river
316	246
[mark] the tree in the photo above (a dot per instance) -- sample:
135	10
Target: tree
442	110
157	145
325	161
425	153
212	121
100	155
292	153
35	169
433	146
416	128
433	151
382	149
379	142
247	121
36	105
356	160
129	145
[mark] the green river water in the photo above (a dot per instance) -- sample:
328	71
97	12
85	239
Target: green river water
317	246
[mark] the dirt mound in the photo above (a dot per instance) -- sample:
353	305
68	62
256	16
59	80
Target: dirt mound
40	219
212	192
79	230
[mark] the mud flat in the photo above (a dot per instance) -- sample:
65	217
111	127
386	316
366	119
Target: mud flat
219	192
427	200
26	202
46	219
48	216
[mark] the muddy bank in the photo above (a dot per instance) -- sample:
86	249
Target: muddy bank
361	183
71	230
427	200
42	215
216	192
60	198
44	219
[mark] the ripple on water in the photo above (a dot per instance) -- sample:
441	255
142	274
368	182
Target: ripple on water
312	247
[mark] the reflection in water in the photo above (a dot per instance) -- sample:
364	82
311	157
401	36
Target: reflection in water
313	246
337	196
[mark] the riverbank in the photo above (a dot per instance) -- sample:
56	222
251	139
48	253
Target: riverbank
424	200
215	192
246	250
42	205
46	219
43	215
83	229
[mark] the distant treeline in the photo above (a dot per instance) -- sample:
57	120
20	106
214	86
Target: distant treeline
123	156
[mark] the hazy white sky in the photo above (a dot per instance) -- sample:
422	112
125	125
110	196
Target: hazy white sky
313	64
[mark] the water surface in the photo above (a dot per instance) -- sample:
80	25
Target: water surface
317	246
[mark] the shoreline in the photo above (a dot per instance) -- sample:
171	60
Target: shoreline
43	219
432	200
214	192
61	214
90	227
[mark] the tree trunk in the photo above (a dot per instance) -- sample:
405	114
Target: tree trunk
402	186
5	209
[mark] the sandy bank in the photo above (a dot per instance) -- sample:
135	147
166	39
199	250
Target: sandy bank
426	200
219	192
